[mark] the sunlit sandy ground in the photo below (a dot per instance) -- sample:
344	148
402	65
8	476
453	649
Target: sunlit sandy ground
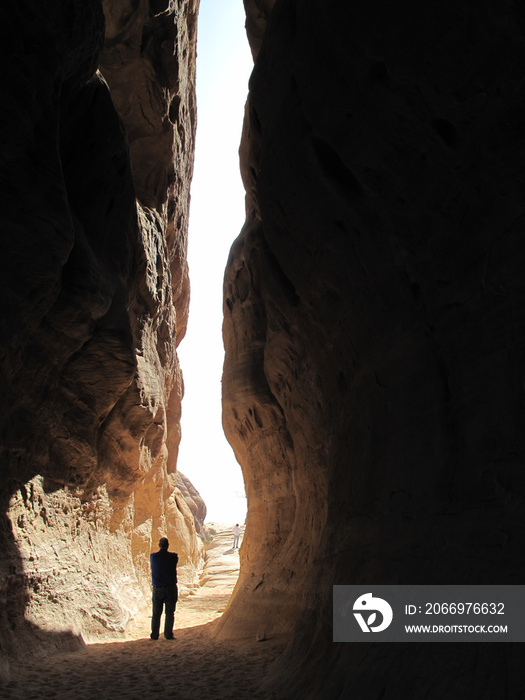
192	666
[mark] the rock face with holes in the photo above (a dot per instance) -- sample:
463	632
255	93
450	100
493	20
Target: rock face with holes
374	305
95	170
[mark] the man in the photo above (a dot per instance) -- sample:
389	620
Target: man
164	581
236	534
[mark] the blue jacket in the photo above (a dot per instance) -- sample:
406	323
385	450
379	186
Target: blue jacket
163	568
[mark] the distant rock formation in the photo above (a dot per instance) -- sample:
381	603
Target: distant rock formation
95	196
373	323
194	501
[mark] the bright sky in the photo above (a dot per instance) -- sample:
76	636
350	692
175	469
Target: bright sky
224	64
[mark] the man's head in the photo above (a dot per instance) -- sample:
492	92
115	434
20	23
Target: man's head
163	543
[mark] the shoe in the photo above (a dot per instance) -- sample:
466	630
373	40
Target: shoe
172	637
153	639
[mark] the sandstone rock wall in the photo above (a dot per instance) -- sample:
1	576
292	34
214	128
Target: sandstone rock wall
373	325
193	500
95	196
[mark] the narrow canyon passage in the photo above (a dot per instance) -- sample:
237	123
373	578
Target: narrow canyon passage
194	665
374	376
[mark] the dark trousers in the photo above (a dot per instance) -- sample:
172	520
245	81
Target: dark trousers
163	597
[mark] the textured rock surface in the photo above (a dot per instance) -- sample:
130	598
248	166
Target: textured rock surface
193	500
93	221
374	306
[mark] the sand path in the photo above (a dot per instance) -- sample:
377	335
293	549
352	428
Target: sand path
192	667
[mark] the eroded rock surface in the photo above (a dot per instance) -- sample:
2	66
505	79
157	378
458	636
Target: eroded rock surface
374	305
95	198
193	500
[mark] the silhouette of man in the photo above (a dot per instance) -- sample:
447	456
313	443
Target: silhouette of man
164	581
236	534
